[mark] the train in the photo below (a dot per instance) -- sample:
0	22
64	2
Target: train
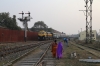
43	35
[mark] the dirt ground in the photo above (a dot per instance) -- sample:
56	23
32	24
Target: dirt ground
81	54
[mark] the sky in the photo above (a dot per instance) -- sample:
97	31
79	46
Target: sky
61	15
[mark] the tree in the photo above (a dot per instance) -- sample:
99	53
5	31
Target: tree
50	30
7	21
39	25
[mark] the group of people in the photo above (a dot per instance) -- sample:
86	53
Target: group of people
57	49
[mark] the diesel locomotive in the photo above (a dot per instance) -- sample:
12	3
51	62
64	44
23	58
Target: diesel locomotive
43	35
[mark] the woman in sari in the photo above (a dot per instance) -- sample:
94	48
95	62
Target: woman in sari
54	48
59	50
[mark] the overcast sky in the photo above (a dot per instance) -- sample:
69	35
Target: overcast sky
62	15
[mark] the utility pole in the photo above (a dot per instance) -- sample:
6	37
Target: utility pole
25	20
81	29
88	20
99	31
78	33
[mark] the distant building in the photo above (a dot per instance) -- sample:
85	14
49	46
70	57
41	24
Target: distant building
82	35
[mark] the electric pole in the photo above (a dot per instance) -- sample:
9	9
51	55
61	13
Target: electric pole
81	29
78	33
99	31
25	20
88	20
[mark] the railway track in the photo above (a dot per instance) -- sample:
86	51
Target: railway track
43	58
10	56
36	58
89	47
40	57
6	51
94	51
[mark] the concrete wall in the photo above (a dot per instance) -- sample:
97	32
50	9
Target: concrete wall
82	35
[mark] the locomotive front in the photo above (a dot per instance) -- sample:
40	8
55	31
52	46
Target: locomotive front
42	35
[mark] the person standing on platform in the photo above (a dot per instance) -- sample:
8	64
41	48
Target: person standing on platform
54	48
59	50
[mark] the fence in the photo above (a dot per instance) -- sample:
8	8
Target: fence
7	35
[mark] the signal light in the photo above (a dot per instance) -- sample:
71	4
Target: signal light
21	13
27	13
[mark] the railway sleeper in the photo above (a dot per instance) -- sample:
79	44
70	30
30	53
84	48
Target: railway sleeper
7	51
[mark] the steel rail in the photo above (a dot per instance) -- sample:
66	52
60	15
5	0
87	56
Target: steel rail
5	52
13	61
43	55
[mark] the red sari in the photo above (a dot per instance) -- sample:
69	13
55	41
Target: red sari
54	48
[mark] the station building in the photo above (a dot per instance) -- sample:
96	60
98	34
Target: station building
82	35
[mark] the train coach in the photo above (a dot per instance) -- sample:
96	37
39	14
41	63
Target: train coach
62	35
56	35
59	35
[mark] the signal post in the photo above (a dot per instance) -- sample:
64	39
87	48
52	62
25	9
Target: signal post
25	20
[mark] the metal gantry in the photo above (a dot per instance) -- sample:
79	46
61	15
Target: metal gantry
88	15
25	20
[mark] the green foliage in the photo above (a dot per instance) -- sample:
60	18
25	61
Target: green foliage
50	29
40	25
7	21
